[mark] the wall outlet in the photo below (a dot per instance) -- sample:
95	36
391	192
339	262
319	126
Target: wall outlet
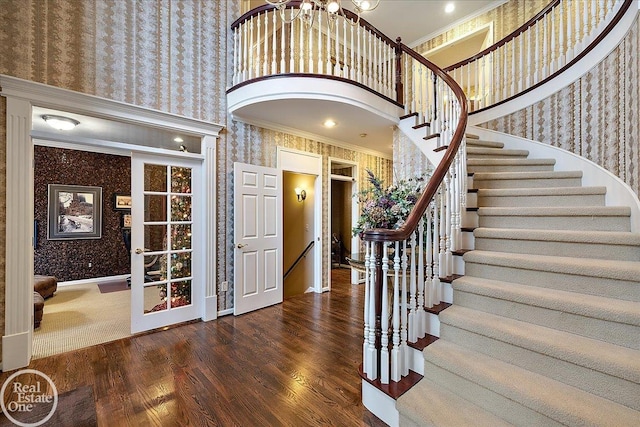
224	286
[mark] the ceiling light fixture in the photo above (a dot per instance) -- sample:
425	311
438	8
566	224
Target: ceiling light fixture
178	139
450	7
329	123
308	9
60	122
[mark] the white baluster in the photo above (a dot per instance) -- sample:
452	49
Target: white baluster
245	52
428	300
328	70
404	311
320	59
448	216
352	64
413	335
265	67
372	358
553	56
367	293
521	63
585	25
292	63
259	59
396	356
283	36
251	51
384	318
301	48
435	249
345	63
236	55
370	60
578	43
274	36
561	36
359	66
421	315
311	58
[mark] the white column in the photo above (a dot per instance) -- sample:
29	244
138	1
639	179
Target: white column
210	185
16	341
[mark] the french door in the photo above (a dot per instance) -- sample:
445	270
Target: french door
166	258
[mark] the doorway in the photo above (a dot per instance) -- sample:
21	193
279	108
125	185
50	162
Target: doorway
343	214
299	242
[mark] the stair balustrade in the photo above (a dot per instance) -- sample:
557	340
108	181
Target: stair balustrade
404	266
543	47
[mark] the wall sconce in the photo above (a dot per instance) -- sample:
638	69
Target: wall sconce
301	194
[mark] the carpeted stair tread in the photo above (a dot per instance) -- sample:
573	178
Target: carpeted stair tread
542	196
483	143
490	152
543	191
578	211
444	409
609	309
483	176
610	269
620	245
612	320
610	359
520	394
510	162
578	236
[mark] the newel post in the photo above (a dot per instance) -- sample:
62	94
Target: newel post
399	87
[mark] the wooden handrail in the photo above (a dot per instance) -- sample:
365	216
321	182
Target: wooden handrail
295	263
402	233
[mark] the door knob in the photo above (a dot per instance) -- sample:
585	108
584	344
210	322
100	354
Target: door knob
240	246
139	251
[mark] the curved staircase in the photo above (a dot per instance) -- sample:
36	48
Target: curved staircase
545	324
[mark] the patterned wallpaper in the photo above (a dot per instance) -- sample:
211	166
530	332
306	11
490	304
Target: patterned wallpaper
505	18
596	117
69	259
173	56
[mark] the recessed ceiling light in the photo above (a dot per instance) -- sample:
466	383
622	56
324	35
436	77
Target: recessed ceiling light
450	7
363	135
329	123
60	122
178	139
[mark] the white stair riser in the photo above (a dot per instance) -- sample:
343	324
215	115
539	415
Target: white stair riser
612	332
485	144
496	155
556	248
606	287
527	183
469	219
468	240
594	223
480	395
472	200
458	265
539	201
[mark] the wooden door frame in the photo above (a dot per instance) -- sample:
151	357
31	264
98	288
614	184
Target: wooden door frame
21	96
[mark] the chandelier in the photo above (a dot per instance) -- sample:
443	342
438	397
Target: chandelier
308	9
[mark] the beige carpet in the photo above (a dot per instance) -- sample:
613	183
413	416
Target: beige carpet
80	316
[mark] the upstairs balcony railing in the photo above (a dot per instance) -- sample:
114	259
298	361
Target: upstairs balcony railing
404	267
533	54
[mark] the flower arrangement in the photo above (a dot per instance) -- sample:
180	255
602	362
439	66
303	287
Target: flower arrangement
387	207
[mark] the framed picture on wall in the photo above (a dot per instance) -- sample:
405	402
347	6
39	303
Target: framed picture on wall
122	202
75	212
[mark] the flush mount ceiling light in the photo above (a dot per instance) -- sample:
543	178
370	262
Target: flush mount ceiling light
60	122
307	10
329	123
450	7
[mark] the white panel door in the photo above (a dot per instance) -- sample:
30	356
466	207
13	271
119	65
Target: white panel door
257	237
166	258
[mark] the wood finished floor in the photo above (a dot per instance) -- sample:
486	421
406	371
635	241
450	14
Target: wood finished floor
294	364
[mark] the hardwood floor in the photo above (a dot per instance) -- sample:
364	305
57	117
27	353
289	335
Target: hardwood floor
294	364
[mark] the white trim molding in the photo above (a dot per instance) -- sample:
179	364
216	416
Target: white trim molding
22	96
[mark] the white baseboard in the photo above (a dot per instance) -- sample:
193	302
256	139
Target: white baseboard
381	405
225	312
16	351
94	280
210	308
